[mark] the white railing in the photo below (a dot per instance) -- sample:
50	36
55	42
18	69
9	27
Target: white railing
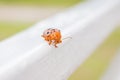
26	56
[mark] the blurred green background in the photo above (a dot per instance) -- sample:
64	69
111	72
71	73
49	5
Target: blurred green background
11	23
42	2
17	15
8	29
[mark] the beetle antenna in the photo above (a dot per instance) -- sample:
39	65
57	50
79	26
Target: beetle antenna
67	38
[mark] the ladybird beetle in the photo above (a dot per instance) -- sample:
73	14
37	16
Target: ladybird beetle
52	36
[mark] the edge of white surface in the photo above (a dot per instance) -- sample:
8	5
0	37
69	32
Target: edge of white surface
113	71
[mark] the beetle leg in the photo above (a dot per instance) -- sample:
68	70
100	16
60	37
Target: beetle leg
50	42
60	41
55	45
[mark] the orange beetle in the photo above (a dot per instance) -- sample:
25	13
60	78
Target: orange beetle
52	36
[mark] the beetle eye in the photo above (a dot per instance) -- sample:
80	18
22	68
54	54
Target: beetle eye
47	32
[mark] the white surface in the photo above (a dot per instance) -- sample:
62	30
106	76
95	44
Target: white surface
26	56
